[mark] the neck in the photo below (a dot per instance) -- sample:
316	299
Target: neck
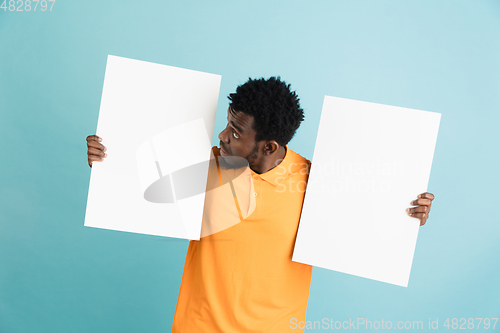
269	162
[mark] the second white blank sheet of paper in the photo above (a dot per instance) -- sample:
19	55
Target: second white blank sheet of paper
370	161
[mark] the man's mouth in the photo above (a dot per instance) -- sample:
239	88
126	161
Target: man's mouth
223	152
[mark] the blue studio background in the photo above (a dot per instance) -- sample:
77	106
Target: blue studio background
444	56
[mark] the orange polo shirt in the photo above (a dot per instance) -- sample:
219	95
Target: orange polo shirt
243	279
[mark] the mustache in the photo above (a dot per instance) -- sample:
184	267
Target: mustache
222	146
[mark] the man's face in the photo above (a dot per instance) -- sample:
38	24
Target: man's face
238	138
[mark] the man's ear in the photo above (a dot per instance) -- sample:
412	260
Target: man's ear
271	147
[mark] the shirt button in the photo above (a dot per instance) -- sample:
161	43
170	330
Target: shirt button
255	194
255	177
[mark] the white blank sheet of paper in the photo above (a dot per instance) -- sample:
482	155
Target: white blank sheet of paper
370	161
154	120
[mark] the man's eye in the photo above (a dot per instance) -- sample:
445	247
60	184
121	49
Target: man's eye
235	135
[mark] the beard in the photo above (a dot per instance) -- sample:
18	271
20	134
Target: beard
229	162
232	162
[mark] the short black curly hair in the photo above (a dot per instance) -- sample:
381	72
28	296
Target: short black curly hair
275	108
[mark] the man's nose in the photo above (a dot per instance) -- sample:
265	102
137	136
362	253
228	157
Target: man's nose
223	136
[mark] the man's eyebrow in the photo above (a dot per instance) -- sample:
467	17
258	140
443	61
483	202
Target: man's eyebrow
231	110
237	128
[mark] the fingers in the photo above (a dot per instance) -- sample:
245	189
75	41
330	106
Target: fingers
422	216
93	141
95	149
419	212
426	195
97	145
423	203
96	152
427	202
419	209
94	138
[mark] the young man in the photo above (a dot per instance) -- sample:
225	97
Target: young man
243	279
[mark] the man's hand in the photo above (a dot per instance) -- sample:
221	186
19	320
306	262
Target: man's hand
423	208
95	150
